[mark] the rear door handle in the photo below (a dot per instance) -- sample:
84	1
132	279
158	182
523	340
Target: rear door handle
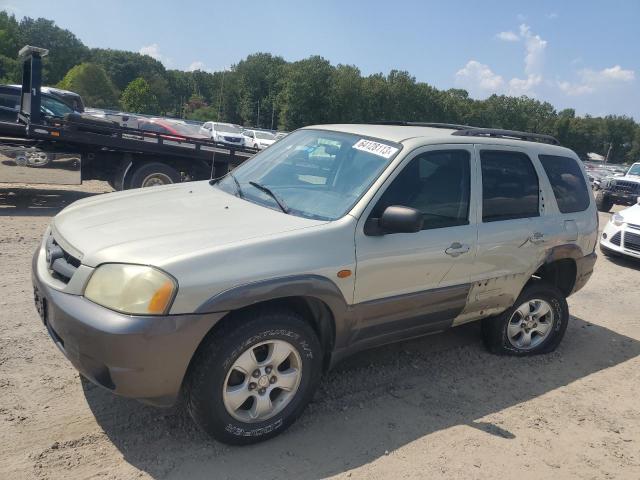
456	249
537	238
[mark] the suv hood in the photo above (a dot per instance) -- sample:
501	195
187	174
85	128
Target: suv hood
153	225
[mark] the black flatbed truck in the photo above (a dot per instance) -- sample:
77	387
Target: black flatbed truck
41	149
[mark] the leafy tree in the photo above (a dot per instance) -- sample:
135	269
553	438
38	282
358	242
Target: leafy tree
91	82
138	98
65	49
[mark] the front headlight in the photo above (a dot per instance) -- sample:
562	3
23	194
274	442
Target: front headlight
133	289
617	219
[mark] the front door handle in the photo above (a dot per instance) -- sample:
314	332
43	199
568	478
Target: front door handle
456	249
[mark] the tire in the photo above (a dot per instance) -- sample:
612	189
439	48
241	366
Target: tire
603	202
496	331
153	174
214	367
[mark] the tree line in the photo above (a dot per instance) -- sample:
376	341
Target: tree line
264	90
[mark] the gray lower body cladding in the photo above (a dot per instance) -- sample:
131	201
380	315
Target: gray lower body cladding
143	357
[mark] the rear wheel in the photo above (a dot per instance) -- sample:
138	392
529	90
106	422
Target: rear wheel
250	382
603	202
153	174
535	323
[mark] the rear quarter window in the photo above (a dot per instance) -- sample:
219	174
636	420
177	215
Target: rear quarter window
567	182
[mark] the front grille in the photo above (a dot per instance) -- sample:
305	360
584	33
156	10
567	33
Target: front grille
632	241
232	139
623	186
616	238
62	265
633	225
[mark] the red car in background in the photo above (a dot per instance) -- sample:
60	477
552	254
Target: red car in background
170	130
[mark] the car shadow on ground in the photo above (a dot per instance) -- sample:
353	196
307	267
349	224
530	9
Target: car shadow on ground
374	402
43	202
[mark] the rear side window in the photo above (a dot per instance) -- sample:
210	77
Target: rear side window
9	99
437	184
509	186
567	182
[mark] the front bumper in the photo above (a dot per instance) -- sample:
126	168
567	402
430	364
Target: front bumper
621	198
142	357
623	239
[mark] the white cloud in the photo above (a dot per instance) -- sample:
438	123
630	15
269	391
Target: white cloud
535	51
196	65
524	86
478	78
521	17
593	80
508	36
552	15
152	50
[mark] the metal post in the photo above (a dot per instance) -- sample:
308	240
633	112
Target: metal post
220	99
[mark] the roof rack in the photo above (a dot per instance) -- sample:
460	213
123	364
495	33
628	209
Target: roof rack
500	133
452	126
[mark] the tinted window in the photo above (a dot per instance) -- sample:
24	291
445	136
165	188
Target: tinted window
509	186
9	98
437	184
567	182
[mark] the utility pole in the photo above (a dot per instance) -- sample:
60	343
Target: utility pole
258	119
221	92
273	111
606	159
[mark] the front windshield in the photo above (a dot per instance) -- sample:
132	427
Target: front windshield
634	170
54	107
221	127
318	174
265	136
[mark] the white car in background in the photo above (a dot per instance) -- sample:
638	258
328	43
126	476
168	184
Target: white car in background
258	139
621	236
226	133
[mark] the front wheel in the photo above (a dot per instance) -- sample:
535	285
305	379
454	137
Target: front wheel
603	202
535	323
250	382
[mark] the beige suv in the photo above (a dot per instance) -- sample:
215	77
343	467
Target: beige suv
239	292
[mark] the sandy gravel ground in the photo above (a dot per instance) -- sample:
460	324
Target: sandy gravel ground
437	407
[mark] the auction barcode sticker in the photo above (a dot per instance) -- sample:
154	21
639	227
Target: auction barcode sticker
386	151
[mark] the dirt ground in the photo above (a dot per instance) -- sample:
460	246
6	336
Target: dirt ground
437	407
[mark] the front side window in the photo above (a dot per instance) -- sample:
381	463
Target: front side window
634	170
318	174
567	183
9	99
437	184
509	186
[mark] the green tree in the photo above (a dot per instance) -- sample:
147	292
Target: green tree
65	49
138	98
91	82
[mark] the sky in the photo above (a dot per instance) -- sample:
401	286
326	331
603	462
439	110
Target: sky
573	54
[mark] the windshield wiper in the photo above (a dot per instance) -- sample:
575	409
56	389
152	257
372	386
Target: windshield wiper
238	188
281	203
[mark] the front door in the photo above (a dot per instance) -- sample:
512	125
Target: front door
414	282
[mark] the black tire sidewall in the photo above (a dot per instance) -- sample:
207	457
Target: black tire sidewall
495	329
603	202
145	169
205	396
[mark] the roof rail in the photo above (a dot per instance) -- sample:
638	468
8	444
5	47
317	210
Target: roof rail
500	133
452	126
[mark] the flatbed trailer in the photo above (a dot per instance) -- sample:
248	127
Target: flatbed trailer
80	147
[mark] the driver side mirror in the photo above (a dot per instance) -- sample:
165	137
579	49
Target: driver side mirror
395	219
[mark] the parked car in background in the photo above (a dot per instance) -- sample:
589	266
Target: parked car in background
226	133
621	235
258	139
55	103
170	129
237	293
619	189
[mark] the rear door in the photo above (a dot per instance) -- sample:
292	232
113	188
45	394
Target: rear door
414	282
510	229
